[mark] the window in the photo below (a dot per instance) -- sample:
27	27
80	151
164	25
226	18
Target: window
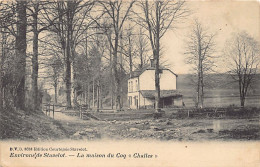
130	100
136	85
131	86
136	100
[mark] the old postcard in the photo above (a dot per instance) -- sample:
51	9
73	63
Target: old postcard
129	83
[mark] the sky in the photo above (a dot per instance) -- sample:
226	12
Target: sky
222	17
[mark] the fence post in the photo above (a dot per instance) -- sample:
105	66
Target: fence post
49	109
53	111
46	109
188	113
80	114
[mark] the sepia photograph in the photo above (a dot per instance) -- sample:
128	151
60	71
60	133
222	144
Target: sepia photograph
129	83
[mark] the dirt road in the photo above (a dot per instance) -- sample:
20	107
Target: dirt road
160	129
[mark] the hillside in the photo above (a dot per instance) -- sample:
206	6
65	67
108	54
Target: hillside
216	84
28	125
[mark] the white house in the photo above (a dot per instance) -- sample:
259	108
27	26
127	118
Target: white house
141	88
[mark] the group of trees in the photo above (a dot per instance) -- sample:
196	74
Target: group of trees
77	45
87	47
13	54
241	56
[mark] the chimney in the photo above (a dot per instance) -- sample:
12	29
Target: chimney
152	63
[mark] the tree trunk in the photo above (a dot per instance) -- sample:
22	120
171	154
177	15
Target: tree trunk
93	93
202	88
88	82
2	55
112	100
141	59
198	91
68	55
116	77
198	84
85	97
242	94
157	87
35	65
157	58
56	93
88	95
200	77
141	50
74	75
242	102
68	80
111	78
20	49
98	96
130	56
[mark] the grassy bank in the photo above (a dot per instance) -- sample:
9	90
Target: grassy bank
29	125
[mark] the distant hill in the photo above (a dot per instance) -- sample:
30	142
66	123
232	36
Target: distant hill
215	85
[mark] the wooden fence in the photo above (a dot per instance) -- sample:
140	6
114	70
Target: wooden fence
209	111
49	109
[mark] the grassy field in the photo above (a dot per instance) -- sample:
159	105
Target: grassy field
252	101
220	91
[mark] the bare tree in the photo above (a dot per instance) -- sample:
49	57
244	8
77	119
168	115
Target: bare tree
20	49
127	48
7	19
38	25
157	17
200	48
70	27
243	55
116	12
13	19
2	55
130	49
142	48
135	48
8	62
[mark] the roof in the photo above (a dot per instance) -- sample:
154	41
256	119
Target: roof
138	72
163	93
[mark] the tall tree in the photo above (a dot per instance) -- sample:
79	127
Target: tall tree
116	13
200	48
157	17
243	55
70	27
2	55
38	25
20	50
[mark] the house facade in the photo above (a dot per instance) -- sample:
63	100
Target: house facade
141	88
